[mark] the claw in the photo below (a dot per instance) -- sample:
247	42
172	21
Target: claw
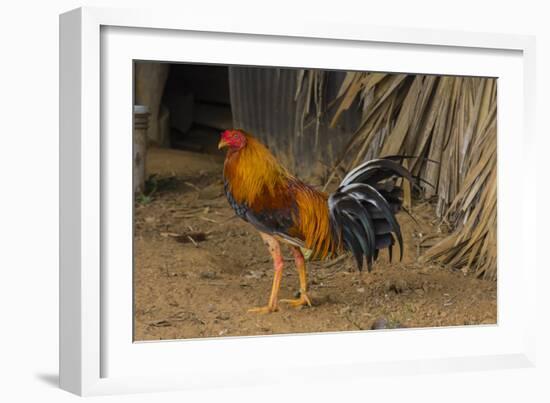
298	302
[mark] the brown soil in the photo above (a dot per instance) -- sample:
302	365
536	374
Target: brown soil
198	269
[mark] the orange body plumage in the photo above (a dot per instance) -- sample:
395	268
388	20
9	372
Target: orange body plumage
255	179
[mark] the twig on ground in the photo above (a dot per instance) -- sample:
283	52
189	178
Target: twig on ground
192	240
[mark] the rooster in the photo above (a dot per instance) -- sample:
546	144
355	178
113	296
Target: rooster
359	217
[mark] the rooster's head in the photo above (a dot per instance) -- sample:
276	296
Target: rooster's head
234	139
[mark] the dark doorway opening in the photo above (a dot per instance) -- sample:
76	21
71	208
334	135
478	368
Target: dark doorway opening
197	97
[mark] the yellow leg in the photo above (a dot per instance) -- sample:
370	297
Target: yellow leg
275	250
301	267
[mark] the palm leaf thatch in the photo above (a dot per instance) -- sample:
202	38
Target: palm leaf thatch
447	119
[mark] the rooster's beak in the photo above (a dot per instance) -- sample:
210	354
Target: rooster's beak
222	144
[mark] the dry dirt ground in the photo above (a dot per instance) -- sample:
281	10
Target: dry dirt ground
198	269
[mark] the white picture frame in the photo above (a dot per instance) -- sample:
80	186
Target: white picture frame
97	354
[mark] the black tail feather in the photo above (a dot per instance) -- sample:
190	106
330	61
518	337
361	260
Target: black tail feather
362	210
383	241
381	227
400	158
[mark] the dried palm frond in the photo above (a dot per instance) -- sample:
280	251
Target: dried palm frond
310	90
447	119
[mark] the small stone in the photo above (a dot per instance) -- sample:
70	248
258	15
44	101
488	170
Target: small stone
361	290
254	274
223	316
397	287
210	275
380	323
317	298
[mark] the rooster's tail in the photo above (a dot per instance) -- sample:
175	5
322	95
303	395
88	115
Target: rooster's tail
362	210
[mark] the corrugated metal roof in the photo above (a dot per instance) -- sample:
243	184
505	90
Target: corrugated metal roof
264	102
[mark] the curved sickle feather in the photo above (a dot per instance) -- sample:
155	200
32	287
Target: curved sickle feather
348	204
363	172
373	197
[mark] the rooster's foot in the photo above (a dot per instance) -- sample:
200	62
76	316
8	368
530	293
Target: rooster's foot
298	302
264	309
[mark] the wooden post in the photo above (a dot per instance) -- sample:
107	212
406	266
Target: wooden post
141	124
150	79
